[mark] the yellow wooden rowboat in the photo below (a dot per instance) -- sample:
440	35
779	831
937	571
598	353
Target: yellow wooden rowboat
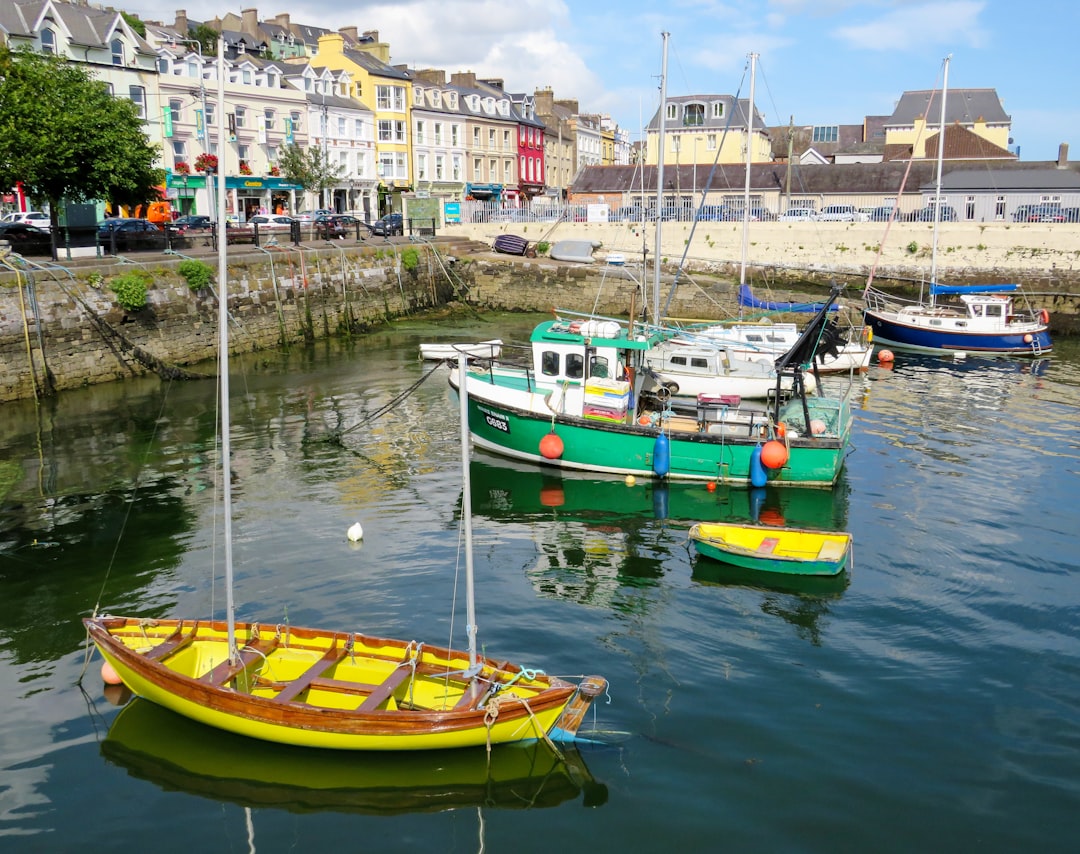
795	551
337	690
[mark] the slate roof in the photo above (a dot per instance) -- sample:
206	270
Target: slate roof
737	120
373	65
87	25
961	105
960	144
865	178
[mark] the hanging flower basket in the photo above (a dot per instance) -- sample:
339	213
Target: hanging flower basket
206	163
275	171
244	168
181	168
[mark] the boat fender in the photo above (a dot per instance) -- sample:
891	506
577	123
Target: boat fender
867	336
551	446
1044	316
758	476
661	461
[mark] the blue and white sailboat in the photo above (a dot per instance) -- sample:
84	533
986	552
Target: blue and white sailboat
957	318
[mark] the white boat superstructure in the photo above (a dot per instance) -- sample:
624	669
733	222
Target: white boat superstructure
688	368
764	341
437	352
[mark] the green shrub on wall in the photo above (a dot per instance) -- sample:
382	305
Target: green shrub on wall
410	258
197	274
542	247
130	289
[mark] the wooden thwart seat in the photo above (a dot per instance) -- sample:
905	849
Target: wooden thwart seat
297	686
173	643
227	671
383	691
832	550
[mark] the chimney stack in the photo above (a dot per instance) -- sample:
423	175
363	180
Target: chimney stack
1063	155
181	24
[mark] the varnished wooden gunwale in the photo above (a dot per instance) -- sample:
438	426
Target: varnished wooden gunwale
321	719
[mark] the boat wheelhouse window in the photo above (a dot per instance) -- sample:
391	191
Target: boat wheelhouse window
678	360
699	362
754	338
977	310
549	363
995	310
575	366
776	339
599	367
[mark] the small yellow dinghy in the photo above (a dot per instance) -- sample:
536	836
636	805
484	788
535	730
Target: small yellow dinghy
794	551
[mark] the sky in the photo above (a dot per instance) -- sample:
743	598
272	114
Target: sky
821	62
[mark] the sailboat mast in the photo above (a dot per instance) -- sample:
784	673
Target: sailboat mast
466	509
223	359
660	182
749	160
937	184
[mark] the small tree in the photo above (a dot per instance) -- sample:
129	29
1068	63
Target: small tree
309	168
65	137
207	37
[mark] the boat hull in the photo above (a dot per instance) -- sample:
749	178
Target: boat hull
791	551
263	699
890	330
631	449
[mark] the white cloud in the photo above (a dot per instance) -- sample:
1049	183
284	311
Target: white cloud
919	26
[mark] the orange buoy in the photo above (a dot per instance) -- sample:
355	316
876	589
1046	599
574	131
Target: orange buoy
1044	316
771	516
551	446
781	430
711	486
884	356
1028	339
774	454
644	421
552	496
109	675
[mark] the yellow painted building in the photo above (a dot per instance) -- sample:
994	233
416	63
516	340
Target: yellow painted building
388	92
701	129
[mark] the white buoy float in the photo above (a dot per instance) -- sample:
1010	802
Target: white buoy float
356	532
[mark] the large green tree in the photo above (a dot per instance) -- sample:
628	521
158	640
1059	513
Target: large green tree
310	168
65	137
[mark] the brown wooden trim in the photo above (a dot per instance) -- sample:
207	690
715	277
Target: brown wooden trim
301	683
225	672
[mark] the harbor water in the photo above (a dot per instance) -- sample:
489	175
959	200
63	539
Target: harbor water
928	700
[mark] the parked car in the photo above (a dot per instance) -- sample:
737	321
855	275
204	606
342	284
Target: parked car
714	213
388	225
627	213
761	215
885	213
35	218
337	225
191	223
948	214
1046	213
130	233
838	213
308	217
270	222
26	239
798	215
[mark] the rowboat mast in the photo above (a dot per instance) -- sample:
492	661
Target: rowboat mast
658	253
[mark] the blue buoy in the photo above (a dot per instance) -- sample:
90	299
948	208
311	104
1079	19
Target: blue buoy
661	458
757	501
758	476
660	501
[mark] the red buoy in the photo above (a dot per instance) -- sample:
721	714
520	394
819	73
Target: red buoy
774	454
551	446
884	356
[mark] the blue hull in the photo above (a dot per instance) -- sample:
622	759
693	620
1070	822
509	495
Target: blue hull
905	337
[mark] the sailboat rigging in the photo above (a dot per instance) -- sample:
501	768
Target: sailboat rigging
333	689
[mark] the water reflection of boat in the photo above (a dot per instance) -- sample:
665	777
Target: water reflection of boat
517	492
178	754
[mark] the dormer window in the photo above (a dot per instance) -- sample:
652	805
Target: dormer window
693	115
117	47
672	112
163	65
241	48
48	41
718	109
